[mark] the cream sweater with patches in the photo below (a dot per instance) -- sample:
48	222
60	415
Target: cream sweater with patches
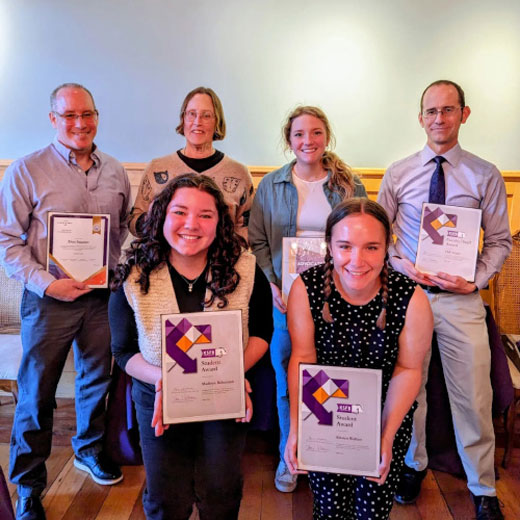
232	177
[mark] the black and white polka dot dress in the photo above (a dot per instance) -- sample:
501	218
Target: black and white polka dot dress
354	340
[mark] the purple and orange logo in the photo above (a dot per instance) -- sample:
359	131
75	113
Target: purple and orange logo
181	337
435	220
316	390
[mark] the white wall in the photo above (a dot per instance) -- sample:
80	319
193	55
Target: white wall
364	62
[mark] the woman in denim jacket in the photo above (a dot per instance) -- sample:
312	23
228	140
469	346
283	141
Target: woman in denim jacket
296	200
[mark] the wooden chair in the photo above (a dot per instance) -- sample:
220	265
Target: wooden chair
507	315
10	342
510	415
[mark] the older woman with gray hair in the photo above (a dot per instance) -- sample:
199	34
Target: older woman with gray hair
201	122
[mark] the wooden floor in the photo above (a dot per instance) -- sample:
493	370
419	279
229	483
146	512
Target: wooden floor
71	494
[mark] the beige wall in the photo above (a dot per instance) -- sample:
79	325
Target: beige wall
364	63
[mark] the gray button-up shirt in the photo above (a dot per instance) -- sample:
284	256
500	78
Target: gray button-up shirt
471	182
51	180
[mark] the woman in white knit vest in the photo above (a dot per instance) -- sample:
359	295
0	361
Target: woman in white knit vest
189	259
201	122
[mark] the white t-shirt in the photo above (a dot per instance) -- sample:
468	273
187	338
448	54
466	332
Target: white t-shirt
313	207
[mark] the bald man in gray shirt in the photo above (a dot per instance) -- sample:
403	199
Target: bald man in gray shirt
69	175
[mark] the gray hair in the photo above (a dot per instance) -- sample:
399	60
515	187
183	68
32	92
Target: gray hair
54	93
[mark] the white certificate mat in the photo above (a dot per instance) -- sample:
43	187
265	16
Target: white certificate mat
339	419
449	240
298	255
78	247
202	366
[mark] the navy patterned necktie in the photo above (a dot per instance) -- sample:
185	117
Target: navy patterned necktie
437	184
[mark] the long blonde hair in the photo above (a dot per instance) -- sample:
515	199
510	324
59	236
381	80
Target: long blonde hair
341	178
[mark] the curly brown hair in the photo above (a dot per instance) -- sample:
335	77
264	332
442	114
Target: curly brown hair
151	250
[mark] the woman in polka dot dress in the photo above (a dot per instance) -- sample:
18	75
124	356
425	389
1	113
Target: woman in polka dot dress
354	311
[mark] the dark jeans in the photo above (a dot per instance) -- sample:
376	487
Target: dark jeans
191	463
49	327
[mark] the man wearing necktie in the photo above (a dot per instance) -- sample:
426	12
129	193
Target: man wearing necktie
443	173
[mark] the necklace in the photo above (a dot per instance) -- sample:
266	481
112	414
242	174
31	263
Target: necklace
313	178
191	283
183	152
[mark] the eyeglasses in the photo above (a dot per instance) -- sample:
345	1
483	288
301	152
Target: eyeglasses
87	116
191	115
431	113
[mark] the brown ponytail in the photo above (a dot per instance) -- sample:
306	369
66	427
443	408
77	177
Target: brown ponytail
381	320
327	279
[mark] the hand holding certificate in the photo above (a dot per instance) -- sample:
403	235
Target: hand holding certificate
449	240
202	367
299	254
339	420
78	246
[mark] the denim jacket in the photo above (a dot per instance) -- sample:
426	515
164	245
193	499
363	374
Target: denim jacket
273	216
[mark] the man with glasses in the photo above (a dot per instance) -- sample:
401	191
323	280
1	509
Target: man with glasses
69	175
444	173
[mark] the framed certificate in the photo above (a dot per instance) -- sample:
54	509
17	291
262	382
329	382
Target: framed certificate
298	254
339	419
449	240
78	247
202	366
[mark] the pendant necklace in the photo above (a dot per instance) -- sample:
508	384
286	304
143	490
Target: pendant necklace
192	282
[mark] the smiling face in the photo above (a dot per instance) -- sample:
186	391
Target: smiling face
358	248
308	139
191	223
442	130
78	134
199	131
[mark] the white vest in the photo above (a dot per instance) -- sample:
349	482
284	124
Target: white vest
161	299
